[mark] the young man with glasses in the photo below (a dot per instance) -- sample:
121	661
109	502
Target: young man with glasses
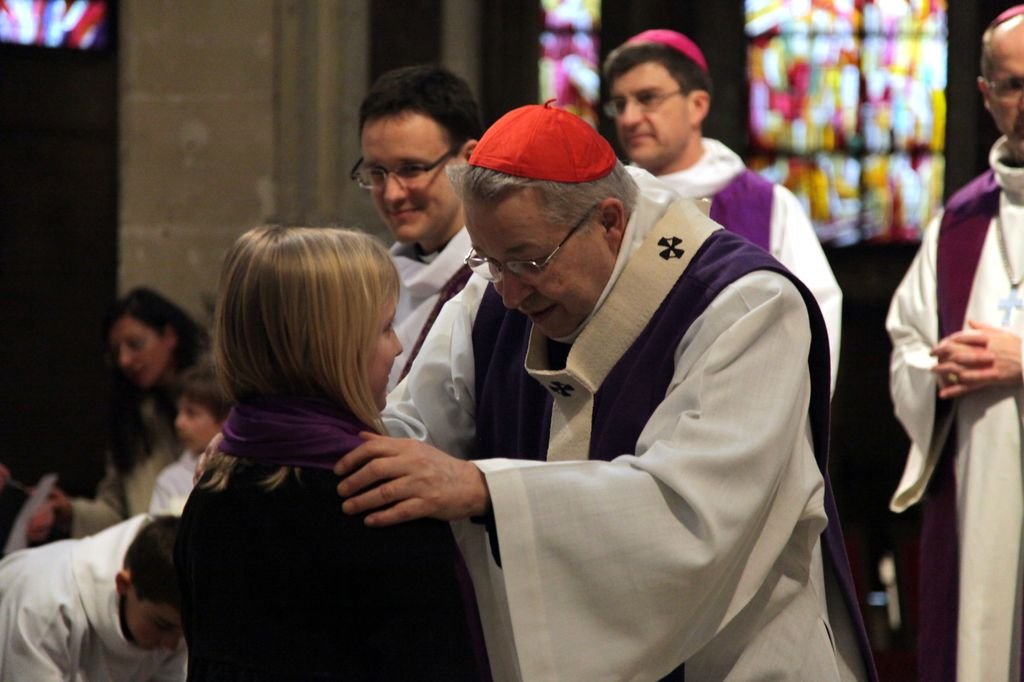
660	95
956	324
413	123
624	416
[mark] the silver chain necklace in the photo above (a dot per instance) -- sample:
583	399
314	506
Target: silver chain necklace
1011	302
1005	255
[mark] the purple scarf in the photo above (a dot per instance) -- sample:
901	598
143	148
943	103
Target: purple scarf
290	431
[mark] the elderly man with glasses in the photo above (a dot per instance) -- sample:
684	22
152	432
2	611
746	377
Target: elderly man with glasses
956	324
412	124
624	415
660	95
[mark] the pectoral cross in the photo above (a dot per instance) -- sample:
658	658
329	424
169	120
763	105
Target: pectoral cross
1008	305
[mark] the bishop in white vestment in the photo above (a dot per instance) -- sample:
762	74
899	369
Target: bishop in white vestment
630	508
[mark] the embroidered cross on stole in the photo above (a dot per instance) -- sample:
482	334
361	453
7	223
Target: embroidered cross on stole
642	286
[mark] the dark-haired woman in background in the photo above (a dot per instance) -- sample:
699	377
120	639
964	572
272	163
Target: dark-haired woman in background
151	341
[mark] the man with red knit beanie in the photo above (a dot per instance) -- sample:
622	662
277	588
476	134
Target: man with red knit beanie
660	94
624	416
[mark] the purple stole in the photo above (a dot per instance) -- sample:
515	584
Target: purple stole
297	431
744	206
513	411
961	235
962	232
454	285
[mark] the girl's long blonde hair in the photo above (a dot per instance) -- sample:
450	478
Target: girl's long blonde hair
298	314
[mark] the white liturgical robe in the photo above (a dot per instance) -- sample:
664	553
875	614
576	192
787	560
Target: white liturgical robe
421	284
701	545
174	484
793	241
59	615
988	427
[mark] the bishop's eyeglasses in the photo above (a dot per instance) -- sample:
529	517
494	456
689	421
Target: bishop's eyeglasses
375	177
1006	88
646	100
493	270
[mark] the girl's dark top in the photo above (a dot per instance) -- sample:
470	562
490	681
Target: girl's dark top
282	585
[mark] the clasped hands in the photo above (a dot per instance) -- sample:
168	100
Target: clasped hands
976	358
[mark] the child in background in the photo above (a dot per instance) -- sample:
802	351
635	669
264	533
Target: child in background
202	408
150	342
105	607
277	581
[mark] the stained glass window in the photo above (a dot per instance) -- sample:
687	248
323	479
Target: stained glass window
847	108
72	24
569	56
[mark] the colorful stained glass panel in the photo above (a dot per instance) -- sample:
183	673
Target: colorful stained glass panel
847	108
72	24
569	49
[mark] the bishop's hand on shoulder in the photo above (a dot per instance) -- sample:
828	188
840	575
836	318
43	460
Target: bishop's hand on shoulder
399	479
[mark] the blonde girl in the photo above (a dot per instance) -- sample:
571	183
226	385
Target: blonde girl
277	582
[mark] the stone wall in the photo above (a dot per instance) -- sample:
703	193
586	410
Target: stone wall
232	113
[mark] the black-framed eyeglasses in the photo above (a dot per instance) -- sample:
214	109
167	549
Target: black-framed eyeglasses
375	177
1006	88
492	270
646	100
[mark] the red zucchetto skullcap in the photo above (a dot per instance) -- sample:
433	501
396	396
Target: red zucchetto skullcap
677	41
1006	15
544	143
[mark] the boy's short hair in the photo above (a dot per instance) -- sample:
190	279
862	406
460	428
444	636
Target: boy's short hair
150	560
199	384
429	90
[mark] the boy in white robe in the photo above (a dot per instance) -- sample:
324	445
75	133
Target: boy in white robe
104	607
202	409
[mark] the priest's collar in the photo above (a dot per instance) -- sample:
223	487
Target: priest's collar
1009	171
421	255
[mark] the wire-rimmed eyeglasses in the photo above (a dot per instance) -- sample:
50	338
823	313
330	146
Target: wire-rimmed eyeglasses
646	100
492	270
1006	88
375	177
